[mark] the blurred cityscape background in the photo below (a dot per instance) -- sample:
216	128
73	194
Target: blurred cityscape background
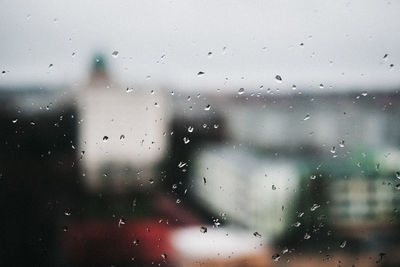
194	133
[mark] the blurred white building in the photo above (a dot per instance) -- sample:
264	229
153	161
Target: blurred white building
122	131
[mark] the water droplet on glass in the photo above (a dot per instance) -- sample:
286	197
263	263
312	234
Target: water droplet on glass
385	57
50	66
121	222
321	86
105	138
343	244
257	234
300	214
398	175
273	187
208	107
67	213
181	164
276	257
136	242
203	229
14	121
151	181
200	73
307	236
297	224
333	150
115	54
156	105
174	186
241	91
294	87
190	129
209	54
307	117
341	144
364	93
313	177
278	79
186	140
314	207
129	90
178	200
164	256
122	137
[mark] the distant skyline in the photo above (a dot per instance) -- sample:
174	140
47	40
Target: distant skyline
341	44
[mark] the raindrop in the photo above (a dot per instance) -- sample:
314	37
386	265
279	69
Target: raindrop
129	90
307	117
14	121
203	229
121	222
181	164
156	105
178	200
257	234
333	150
285	250
385	57
294	87
122	137
377	166
341	144
151	181
300	214
273	187
297	224
313	177
50	66
208	107
276	257
115	54
209	54
67	213
204	180
364	93
307	236
314	207
105	138
321	86
164	256
190	129
398	175
241	91
216	126
343	244
136	242
278	79
200	73
174	186
398	186
186	140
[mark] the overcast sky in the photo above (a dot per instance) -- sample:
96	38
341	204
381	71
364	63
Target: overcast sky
337	43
